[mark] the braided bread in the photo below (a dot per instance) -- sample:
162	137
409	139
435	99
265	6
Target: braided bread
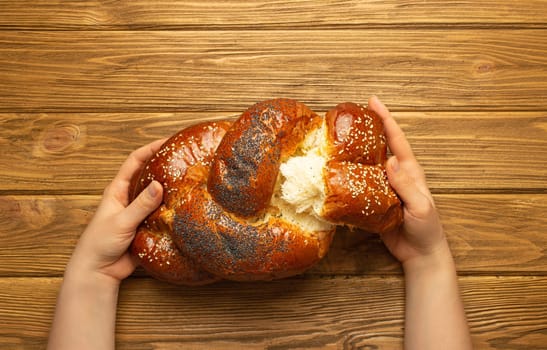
260	198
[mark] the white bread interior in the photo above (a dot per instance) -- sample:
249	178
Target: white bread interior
300	189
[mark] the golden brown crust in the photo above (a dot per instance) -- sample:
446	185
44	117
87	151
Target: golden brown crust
152	245
239	249
357	190
356	134
246	164
193	145
159	256
359	195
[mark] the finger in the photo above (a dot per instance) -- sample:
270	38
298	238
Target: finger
411	192
146	202
136	160
396	140
119	187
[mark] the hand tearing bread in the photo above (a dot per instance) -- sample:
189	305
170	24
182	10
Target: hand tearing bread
260	198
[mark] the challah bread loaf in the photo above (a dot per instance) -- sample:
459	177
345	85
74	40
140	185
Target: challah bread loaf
260	198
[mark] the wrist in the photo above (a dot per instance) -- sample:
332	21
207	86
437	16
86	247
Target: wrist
79	274
85	316
434	312
438	260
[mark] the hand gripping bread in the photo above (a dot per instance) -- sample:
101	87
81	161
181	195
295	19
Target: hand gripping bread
260	198
357	191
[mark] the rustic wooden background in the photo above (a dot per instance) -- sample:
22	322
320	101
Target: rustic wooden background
82	83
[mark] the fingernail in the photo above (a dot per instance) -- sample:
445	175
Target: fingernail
152	189
394	164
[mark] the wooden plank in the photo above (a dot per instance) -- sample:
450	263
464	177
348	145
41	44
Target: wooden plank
503	313
477	152
71	153
153	71
501	234
47	14
80	153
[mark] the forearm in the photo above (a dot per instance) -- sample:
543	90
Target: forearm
86	314
435	317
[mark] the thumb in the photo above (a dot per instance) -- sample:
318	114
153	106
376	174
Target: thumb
146	202
416	202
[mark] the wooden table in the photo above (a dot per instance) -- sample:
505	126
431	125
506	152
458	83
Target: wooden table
82	83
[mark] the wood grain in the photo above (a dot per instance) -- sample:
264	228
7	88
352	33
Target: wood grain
488	234
141	14
331	313
80	153
83	83
154	71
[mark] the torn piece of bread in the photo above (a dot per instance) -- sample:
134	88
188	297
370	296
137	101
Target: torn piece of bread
337	175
